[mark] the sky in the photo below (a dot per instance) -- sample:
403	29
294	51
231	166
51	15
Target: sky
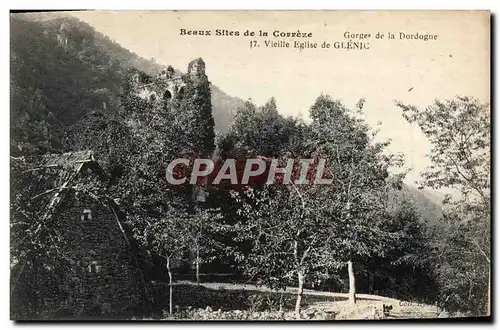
412	71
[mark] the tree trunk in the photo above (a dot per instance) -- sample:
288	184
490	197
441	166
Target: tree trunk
372	282
197	266
300	291
352	283
170	285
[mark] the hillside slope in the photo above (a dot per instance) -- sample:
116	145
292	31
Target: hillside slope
428	203
61	69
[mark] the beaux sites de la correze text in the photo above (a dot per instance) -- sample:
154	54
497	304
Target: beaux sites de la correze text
305	40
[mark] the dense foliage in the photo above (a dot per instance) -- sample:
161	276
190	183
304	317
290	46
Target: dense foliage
71	90
459	131
304	234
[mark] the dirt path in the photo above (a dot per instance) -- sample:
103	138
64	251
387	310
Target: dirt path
400	309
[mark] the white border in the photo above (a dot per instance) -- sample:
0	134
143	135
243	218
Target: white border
492	5
256	4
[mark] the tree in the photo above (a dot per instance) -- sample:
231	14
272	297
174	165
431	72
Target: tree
261	131
204	225
355	202
282	241
403	271
165	236
289	239
32	237
459	131
108	137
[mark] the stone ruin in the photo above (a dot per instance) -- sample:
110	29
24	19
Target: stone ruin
167	84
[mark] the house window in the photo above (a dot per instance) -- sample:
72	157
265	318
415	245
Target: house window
87	215
93	267
77	202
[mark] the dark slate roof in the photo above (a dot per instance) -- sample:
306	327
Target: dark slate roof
69	160
69	164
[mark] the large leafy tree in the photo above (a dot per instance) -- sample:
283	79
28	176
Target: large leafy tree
32	248
459	132
289	240
279	241
355	201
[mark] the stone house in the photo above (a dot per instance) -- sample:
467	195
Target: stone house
100	276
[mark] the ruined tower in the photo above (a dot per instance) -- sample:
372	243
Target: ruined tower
196	68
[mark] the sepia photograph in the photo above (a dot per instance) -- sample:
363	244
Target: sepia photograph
250	165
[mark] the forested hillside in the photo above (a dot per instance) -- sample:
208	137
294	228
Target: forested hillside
62	69
429	207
